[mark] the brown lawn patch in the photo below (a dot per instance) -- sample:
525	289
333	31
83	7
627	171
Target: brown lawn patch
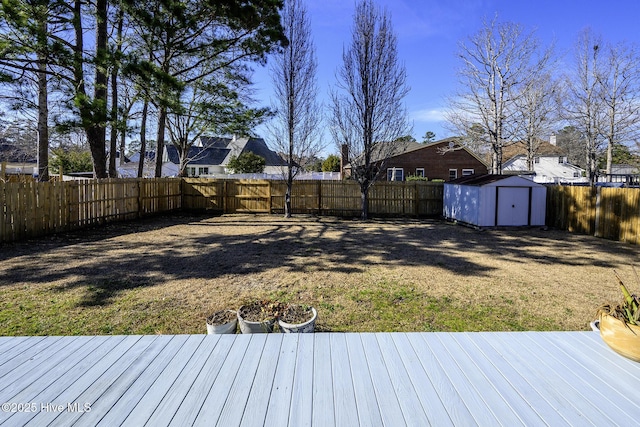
167	274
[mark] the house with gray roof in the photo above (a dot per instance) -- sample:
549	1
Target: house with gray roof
211	155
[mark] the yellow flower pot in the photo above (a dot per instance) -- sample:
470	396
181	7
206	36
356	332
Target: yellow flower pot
622	337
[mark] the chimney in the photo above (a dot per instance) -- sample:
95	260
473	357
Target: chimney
344	159
552	139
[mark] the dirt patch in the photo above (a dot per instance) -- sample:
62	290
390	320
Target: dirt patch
221	317
296	314
168	274
261	311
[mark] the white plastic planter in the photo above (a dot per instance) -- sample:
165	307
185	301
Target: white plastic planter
225	328
306	327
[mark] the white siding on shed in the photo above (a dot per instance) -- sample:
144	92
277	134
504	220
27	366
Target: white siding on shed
503	201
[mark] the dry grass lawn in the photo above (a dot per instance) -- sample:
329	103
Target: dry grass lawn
165	275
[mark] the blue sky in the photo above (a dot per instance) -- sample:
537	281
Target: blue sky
429	31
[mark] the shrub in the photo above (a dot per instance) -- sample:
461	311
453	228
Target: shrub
247	162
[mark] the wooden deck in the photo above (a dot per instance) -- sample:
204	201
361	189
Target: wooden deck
323	379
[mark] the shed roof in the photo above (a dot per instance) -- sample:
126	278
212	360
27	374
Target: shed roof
480	180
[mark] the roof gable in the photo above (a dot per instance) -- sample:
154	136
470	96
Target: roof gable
259	147
545	149
198	155
218	151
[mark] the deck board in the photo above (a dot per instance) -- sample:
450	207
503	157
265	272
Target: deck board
324	379
457	411
366	402
565	399
323	413
344	400
388	402
237	389
260	394
487	364
47	387
282	384
143	409
396	364
300	413
163	413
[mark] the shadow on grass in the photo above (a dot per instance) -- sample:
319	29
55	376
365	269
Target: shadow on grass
119	257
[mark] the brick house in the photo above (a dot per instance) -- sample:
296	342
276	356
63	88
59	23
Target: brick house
435	160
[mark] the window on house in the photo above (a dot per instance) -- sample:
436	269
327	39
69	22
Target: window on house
536	159
560	159
420	172
467	172
576	175
395	174
453	174
191	171
203	171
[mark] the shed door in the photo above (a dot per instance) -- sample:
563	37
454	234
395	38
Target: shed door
513	206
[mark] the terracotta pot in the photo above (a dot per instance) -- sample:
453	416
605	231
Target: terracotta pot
622	337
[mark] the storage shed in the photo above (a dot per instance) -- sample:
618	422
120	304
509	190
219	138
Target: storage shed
495	200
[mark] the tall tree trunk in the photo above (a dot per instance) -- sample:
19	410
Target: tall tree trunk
92	114
143	138
97	134
43	120
113	143
115	123
162	121
364	196
291	127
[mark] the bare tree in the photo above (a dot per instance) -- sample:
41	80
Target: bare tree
536	108
295	128
368	116
620	87
583	104
498	62
572	142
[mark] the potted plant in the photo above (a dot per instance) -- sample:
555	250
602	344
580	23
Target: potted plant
222	322
619	324
297	318
258	316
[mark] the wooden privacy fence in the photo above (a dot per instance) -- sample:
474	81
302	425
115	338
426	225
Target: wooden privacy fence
340	198
611	213
29	209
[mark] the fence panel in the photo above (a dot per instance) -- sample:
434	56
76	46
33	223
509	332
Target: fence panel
572	208
251	196
30	208
618	214
339	198
203	194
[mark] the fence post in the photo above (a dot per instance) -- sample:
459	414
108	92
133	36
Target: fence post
139	186
415	199
319	191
